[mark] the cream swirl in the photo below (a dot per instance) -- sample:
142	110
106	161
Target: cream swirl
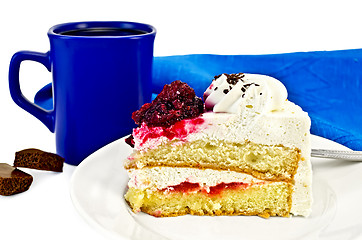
234	93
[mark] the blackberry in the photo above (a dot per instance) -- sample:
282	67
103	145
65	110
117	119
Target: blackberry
177	101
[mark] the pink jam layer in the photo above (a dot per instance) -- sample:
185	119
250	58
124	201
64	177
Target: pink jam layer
151	137
187	187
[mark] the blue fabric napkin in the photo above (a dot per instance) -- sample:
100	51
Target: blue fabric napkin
326	84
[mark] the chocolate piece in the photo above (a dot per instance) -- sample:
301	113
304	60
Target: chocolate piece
130	141
13	180
38	159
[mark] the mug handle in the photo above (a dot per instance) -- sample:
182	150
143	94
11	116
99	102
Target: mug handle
45	116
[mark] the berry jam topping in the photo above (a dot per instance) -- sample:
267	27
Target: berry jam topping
177	101
179	130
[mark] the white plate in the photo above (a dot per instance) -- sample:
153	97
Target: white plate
99	183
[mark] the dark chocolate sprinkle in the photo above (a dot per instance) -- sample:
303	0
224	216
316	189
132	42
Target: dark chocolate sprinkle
226	91
249	84
234	78
215	88
216	77
243	89
243	95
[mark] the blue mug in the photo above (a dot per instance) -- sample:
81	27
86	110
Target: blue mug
101	73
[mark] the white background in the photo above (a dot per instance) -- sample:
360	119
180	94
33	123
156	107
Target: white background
183	27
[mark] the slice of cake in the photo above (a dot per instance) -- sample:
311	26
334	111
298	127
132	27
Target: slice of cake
245	151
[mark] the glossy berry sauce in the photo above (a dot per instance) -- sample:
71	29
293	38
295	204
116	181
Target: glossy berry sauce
186	187
215	190
179	130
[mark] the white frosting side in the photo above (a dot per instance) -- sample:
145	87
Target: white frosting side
302	198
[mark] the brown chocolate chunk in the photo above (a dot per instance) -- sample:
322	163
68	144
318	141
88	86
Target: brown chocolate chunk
38	159
13	180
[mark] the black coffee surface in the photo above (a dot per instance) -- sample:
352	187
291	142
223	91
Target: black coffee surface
103	32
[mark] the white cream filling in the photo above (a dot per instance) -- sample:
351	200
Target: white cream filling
162	177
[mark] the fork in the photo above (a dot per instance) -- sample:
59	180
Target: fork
338	154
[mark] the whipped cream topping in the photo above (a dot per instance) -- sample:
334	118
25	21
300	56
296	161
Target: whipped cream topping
233	93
